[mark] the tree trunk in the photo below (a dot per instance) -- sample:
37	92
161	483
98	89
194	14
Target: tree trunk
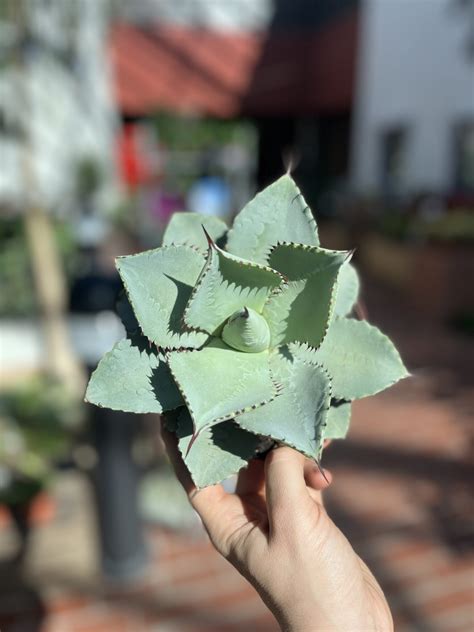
50	285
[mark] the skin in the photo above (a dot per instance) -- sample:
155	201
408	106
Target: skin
277	534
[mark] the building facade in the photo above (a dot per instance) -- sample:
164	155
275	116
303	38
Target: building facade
413	113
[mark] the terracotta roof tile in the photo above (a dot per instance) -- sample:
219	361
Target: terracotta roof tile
227	74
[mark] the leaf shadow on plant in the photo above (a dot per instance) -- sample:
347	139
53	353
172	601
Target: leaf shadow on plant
230	437
221	241
164	388
142	344
182	298
339	402
286	353
127	315
227	435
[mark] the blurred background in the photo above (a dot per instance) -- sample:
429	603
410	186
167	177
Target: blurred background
113	115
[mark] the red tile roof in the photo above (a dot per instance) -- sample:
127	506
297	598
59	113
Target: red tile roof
226	74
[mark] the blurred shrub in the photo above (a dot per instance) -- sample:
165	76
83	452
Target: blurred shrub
394	226
17	297
88	177
456	226
16	280
181	133
37	420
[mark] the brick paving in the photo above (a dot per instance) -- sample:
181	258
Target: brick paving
402	493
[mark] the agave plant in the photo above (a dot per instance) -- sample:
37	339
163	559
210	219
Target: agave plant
245	335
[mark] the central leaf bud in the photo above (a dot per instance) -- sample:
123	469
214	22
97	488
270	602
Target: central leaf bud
246	330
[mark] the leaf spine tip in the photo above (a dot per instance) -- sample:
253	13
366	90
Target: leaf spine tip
210	241
191	443
349	256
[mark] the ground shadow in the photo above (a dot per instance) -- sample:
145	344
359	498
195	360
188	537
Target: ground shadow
21	606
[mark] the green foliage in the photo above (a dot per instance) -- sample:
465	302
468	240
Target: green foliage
456	226
37	420
246	344
453	226
17	293
179	133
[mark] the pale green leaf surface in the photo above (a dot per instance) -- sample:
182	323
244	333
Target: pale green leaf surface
278	213
300	310
297	416
217	382
186	228
347	292
133	378
360	359
297	261
217	453
227	284
159	283
338	421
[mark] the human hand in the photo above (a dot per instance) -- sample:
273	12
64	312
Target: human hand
276	533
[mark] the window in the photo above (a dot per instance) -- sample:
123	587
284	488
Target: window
393	160
464	156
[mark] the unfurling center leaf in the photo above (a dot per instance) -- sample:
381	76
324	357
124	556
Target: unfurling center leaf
247	331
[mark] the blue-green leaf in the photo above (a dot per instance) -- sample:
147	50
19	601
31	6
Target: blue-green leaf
278	213
338	421
218	382
297	417
300	310
360	359
159	283
226	285
134	378
217	453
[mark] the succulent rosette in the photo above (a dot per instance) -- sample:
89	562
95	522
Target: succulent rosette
245	334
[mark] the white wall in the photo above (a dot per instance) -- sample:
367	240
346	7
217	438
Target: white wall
65	113
414	70
214	14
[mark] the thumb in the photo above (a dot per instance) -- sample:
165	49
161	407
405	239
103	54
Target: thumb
285	484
